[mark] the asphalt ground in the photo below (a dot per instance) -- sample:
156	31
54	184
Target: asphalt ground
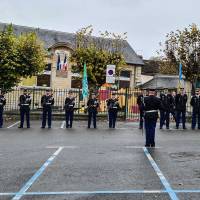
97	164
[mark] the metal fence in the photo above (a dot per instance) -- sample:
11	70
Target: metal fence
127	100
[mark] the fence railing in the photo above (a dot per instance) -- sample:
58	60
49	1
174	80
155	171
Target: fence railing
127	100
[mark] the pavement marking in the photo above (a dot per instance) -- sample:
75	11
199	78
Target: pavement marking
62	125
64	147
13	124
98	192
30	182
187	191
162	178
140	147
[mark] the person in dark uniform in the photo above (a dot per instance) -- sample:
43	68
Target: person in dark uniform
2	104
69	109
24	104
92	105
152	105
169	107
140	101
195	103
173	105
47	101
181	101
163	99
113	107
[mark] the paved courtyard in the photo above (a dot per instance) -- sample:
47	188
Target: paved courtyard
101	164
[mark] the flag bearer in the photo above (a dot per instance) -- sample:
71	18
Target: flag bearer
92	105
47	101
69	109
24	104
113	108
181	101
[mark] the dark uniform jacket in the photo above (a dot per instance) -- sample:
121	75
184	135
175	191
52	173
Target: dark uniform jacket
195	103
152	103
93	105
181	101
140	101
170	103
24	100
113	105
69	104
163	99
2	101
47	101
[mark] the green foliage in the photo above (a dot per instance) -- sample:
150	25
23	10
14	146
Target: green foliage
183	46
20	57
97	53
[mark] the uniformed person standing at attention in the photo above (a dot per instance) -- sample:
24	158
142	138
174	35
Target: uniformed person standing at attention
69	109
2	104
195	103
92	105
152	105
47	101
113	107
140	101
181	101
24	104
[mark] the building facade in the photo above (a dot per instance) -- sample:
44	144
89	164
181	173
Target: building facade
60	45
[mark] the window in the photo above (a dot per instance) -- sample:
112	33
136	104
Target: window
124	84
126	74
43	80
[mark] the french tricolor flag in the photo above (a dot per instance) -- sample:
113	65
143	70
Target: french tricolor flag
64	65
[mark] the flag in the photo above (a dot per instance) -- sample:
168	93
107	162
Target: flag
180	72
58	63
84	82
64	65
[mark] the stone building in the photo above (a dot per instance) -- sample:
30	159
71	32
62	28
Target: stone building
62	43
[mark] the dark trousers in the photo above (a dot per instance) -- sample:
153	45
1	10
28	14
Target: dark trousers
195	115
150	126
24	110
162	118
180	115
1	117
69	116
112	118
141	118
46	112
92	115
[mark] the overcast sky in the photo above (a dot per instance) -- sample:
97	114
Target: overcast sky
146	21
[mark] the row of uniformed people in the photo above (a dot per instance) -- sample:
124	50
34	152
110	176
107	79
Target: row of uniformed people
174	104
47	102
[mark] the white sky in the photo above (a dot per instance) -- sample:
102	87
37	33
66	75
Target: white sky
146	21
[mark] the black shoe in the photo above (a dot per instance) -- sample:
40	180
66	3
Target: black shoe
167	127
42	127
140	127
160	127
152	145
28	126
147	145
177	127
184	128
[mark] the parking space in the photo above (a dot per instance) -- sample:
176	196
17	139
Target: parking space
78	163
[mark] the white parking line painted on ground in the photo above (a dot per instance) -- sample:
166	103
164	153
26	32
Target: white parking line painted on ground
30	182
162	178
62	125
64	147
13	124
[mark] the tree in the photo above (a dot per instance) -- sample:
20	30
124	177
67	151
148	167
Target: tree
183	46
20	57
97	53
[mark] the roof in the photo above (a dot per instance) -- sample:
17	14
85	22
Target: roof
51	37
151	67
162	81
